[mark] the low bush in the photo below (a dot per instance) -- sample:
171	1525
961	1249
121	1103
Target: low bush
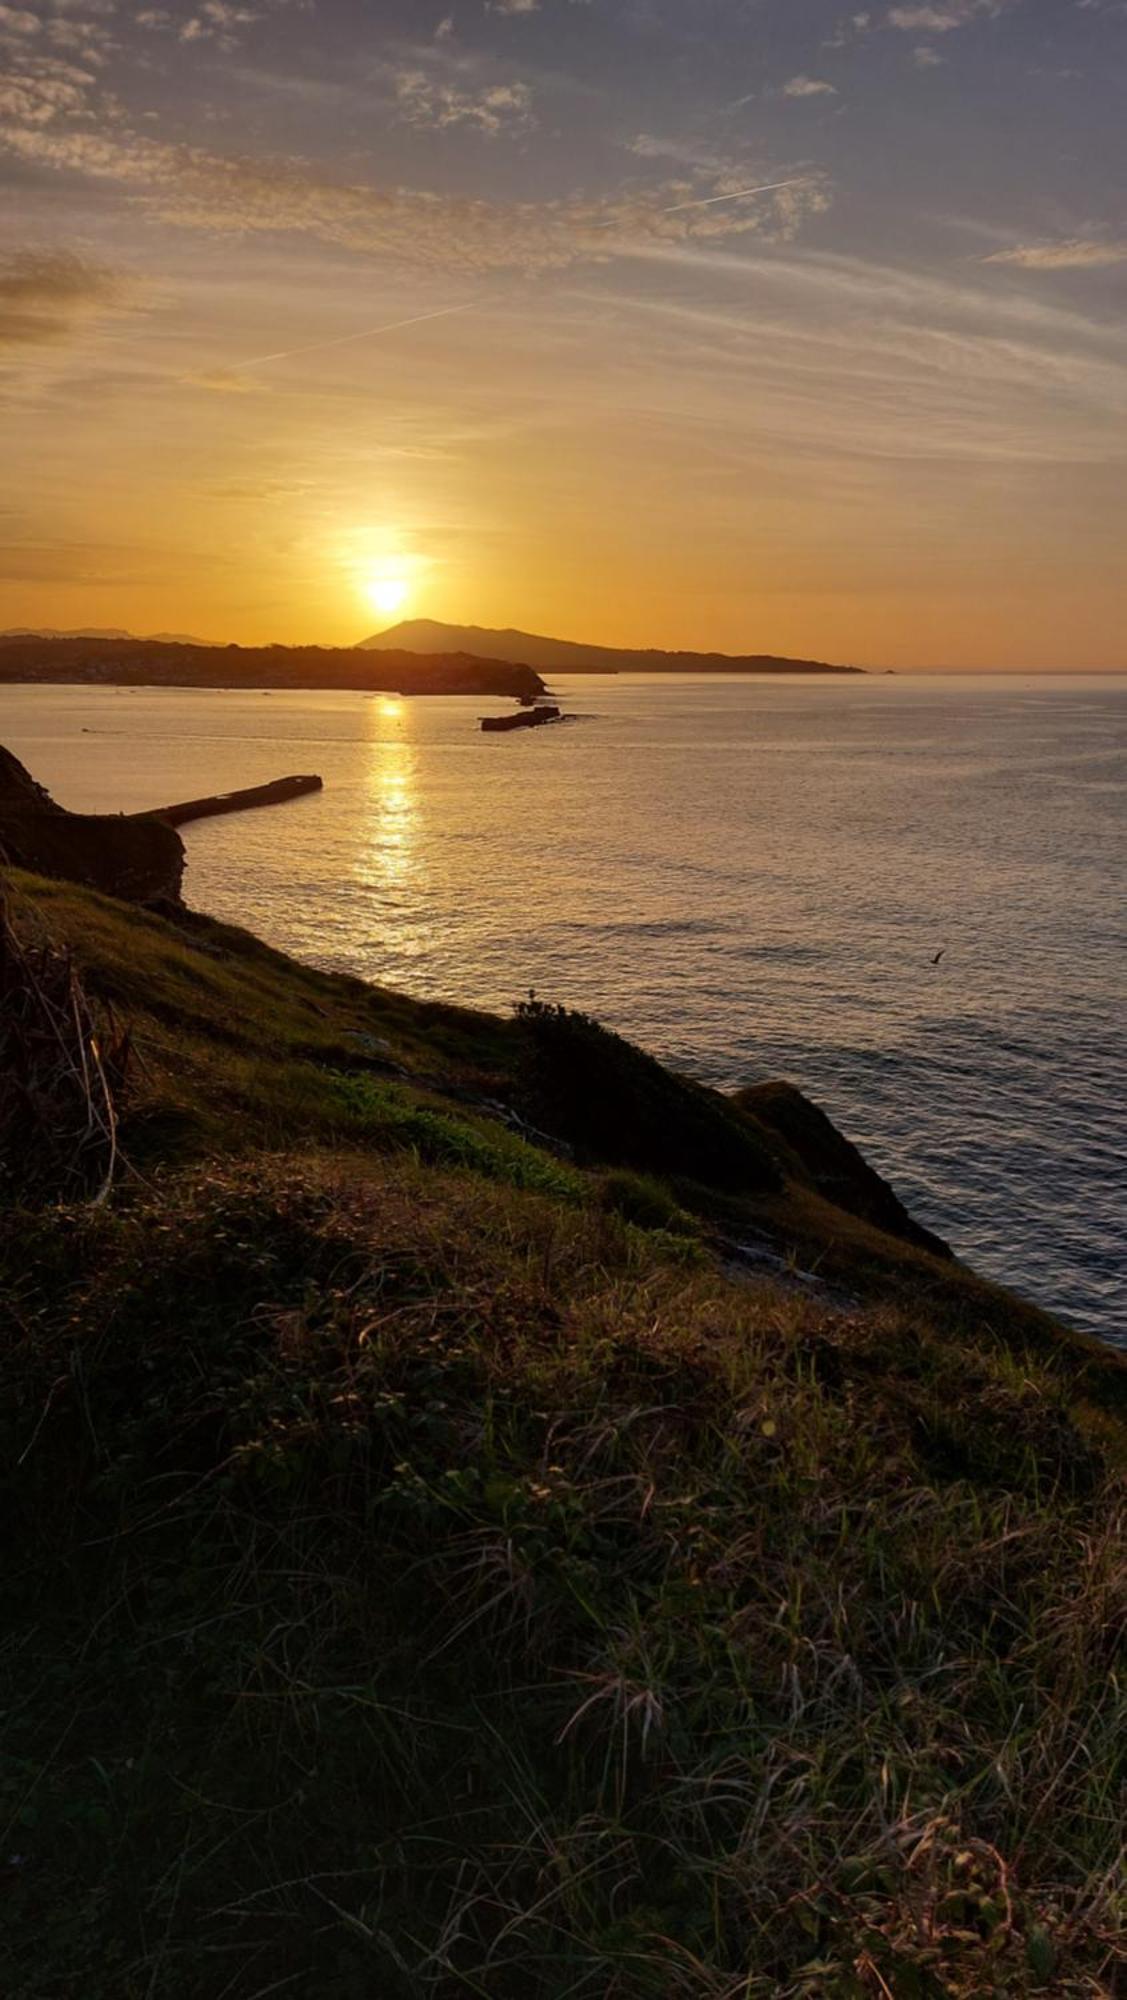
615	1103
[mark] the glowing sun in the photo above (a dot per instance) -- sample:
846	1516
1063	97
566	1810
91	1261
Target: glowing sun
386	592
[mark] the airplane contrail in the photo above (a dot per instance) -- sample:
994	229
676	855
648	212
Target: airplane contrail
446	312
738	194
343	340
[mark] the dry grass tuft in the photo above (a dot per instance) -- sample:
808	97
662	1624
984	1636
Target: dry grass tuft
61	1077
430	1589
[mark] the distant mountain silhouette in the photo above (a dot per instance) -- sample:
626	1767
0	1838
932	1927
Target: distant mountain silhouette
99	632
174	663
427	635
54	632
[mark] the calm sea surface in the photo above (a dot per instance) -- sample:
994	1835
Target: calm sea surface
749	877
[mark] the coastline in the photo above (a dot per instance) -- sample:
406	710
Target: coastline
810	986
142	663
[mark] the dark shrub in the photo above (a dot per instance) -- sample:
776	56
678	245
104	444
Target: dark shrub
613	1103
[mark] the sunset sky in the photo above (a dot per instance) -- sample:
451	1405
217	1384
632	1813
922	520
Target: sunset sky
319	313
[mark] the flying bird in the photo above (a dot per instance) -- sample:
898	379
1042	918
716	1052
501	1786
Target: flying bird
939	955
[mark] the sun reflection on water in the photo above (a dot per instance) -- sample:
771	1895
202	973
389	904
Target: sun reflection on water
389	856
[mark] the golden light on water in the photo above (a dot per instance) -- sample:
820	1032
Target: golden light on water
388	858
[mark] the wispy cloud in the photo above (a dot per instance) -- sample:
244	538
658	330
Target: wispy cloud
492	109
223	22
848	30
837	357
809	86
940	17
228	194
17	22
1078	253
225	382
217	21
44	295
37	89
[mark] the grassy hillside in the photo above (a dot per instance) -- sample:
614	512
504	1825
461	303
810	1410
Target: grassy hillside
442	1563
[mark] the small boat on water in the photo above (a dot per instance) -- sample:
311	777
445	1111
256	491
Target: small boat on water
522	718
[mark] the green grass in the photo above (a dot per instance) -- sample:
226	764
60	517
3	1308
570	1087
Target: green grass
430	1575
388	1116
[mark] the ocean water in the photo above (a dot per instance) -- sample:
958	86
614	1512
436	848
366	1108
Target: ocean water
749	877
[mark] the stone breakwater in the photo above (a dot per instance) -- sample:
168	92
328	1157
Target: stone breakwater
138	856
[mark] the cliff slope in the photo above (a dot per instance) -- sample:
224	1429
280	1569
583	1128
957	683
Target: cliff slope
447	1557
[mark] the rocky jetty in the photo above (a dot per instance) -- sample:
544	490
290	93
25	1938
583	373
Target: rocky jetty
138	856
276	793
135	856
